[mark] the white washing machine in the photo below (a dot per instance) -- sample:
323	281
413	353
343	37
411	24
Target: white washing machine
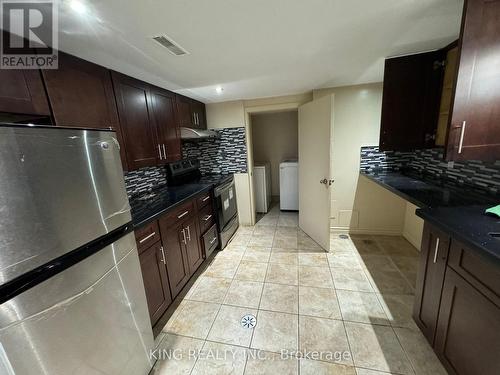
289	185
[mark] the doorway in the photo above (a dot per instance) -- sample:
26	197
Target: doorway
274	141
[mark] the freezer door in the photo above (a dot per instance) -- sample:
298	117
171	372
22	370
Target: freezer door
59	189
89	319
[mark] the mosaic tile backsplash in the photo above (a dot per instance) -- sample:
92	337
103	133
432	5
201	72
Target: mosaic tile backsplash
145	179
227	154
482	175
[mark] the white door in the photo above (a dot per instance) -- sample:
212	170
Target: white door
315	127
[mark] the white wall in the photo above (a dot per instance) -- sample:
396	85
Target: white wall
275	138
225	115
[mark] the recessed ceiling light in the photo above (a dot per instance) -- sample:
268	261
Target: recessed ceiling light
78	6
219	90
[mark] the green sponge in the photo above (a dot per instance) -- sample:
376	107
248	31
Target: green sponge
494	210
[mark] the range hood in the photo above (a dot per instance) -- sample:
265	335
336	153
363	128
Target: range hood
195	134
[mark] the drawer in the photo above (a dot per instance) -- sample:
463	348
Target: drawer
210	240
206	218
204	199
180	213
481	273
147	236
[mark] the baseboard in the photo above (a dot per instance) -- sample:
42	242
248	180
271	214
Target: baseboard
343	230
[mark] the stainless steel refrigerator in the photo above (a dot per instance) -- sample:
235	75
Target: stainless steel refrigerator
72	298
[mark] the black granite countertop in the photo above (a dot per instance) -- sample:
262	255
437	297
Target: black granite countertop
155	203
425	191
470	225
457	210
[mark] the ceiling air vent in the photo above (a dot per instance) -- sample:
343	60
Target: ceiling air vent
170	45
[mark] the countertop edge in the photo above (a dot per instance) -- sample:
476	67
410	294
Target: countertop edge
157	214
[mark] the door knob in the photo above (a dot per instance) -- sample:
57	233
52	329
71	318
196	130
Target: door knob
323	181
330	182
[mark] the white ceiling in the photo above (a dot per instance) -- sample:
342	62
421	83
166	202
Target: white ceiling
256	48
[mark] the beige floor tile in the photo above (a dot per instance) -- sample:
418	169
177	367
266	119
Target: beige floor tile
287	231
281	298
257	254
194	319
282	274
241	239
175	355
391	282
251	271
245	229
271	220
244	293
220	359
285	242
275	332
284	256
361	307
399	309
326	336
377	348
420	353
264	230
313	259
304	242
261	240
320	302
338	245
288	220
408	267
234	253
225	268
209	289
227	326
351	279
396	245
377	263
344	260
366	245
266	363
311	367
315	276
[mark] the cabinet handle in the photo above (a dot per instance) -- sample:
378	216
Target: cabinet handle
206	218
189	233
436	251
462	134
182	215
194	118
159	151
164	152
206	198
184	237
163	256
214	239
147	237
197	119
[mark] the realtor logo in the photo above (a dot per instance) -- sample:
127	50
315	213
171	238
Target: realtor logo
29	34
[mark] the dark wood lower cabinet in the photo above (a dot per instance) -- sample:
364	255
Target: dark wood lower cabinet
175	253
457	304
154	274
193	248
468	333
433	258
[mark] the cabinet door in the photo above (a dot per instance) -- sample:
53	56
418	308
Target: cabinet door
467	338
198	114
133	100
411	98
167	130
183	115
176	258
433	258
193	248
474	130
154	274
22	92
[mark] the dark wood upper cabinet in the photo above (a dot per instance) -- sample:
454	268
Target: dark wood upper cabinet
134	102
433	259
474	131
154	274
183	107
22	92
81	94
410	104
199	120
167	130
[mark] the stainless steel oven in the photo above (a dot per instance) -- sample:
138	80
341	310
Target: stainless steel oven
227	211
